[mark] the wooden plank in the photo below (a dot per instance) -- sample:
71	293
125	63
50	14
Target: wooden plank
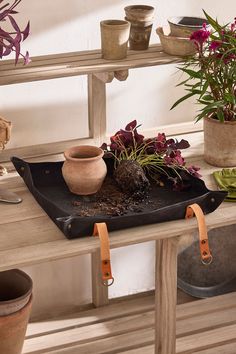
222	349
99	290
208	339
129	306
166	296
97	109
117	309
122	328
82	63
45	150
36	251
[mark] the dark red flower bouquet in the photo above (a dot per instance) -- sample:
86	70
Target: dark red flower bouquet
138	158
211	73
10	40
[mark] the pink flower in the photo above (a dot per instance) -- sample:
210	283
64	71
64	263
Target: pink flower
214	45
200	36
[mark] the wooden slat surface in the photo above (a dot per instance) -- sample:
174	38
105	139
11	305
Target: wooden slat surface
35	238
79	63
128	327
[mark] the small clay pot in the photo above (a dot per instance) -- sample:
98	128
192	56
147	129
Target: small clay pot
220	142
84	169
141	19
184	26
15	306
175	45
114	39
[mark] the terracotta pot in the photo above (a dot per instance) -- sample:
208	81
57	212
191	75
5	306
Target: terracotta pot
175	45
220	143
15	306
141	19
184	26
114	39
84	169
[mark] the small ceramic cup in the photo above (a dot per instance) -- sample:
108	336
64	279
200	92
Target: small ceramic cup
114	39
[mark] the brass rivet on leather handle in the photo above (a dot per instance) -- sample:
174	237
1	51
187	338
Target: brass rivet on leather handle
100	229
196	210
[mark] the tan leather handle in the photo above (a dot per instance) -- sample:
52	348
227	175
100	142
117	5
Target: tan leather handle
100	229
195	209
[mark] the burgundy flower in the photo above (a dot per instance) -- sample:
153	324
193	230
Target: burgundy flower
214	45
193	170
200	37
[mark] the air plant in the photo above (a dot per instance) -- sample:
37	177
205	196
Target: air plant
10	40
136	159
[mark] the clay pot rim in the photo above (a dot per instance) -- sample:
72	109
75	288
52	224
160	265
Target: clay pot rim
172	21
161	33
98	153
216	121
139	8
116	23
14	315
27	277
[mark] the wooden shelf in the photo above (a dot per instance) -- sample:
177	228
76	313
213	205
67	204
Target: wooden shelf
203	327
79	63
35	238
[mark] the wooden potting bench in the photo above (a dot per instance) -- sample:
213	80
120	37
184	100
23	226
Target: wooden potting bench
28	236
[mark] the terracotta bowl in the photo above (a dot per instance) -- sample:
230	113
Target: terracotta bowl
175	45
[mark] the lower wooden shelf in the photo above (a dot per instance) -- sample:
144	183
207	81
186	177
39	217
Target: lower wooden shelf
203	327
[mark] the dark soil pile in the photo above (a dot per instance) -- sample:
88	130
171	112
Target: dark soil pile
130	177
111	201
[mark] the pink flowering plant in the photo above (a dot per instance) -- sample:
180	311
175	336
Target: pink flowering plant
11	35
157	156
211	73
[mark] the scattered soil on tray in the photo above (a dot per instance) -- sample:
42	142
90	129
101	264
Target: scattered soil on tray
111	201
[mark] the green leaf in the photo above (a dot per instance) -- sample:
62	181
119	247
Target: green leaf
230	98
183	99
207	98
220	115
213	22
192	73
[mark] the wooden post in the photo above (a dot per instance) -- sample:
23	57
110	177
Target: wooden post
166	296
99	291
97	108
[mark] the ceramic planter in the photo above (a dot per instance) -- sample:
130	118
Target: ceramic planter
114	39
220	143
175	45
5	132
141	19
183	26
15	306
84	169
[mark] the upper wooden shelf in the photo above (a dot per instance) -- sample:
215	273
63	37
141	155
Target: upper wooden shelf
79	63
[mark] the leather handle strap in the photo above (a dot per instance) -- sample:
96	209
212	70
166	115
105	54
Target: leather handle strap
100	230
195	209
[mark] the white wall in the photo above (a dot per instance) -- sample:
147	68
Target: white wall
56	110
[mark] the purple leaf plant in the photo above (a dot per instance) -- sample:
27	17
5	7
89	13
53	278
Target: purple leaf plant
10	40
156	156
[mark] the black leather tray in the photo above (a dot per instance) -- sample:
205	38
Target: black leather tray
47	185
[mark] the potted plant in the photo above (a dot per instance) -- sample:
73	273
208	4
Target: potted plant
211	77
138	160
10	42
11	38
